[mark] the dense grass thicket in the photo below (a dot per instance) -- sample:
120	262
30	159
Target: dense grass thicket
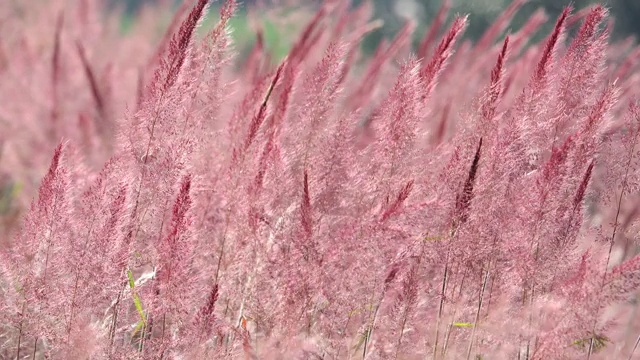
162	197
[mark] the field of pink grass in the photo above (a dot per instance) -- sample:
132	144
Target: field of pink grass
162	197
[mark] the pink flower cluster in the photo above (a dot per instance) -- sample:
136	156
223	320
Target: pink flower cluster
472	201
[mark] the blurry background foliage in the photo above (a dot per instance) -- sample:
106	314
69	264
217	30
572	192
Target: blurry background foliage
281	25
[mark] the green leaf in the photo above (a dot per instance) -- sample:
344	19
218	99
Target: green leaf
138	303
139	326
599	342
136	299
462	324
132	282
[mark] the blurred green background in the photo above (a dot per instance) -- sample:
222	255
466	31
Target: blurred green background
395	12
